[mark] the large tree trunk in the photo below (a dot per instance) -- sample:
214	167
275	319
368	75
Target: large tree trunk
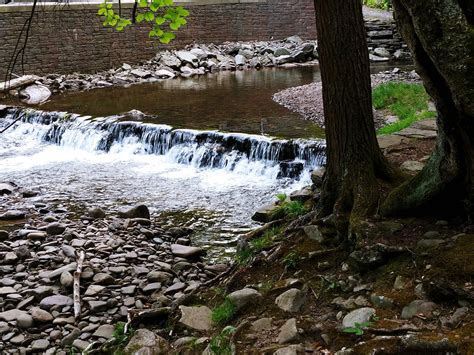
354	161
440	35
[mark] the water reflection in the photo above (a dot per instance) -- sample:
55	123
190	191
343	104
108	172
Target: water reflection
238	101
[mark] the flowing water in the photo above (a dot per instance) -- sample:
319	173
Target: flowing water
204	155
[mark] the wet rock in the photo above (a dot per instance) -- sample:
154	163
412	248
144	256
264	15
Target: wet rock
55	228
266	213
56	300
145	341
243	297
361	315
143	74
35	94
12	215
198	318
302	195
96	213
416	307
291	300
140	211
6	189
4	235
400	283
163	73
288	332
185	251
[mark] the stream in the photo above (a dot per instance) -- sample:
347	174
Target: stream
209	152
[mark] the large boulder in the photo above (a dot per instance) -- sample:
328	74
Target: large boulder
140	211
185	251
35	94
188	57
198	318
6	189
243	297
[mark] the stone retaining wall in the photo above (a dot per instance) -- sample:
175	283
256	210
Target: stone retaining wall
70	38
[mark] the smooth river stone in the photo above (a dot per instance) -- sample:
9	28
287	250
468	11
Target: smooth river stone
185	251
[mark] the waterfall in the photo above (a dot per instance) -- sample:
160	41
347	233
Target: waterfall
200	149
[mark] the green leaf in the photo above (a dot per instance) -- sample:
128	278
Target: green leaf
181	11
167	2
110	12
149	16
103	5
102	12
109	6
167	37
175	26
143	3
160	20
140	18
154	7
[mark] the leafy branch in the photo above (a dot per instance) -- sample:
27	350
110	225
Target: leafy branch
160	13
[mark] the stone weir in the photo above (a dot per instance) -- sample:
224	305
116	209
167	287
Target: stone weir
201	149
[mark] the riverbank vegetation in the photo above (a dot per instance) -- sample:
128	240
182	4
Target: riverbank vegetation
408	101
378	4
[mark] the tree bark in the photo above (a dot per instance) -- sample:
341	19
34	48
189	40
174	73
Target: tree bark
354	161
440	35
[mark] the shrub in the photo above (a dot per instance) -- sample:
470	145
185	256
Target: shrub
224	312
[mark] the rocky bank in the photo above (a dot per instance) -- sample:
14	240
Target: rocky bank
135	267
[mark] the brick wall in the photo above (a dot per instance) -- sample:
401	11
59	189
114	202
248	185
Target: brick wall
72	39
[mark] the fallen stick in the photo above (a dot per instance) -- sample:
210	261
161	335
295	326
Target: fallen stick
76	287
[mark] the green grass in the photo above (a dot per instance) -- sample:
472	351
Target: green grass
245	256
220	344
409	102
289	209
377	4
224	312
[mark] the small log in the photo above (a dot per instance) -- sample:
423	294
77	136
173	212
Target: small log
76	287
18	82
